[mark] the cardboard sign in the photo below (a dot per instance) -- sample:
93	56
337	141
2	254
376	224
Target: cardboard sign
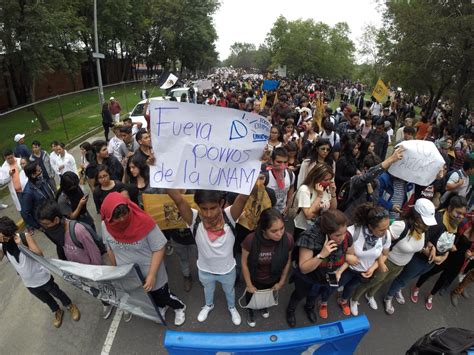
206	147
164	211
420	164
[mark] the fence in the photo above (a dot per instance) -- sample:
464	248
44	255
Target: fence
69	115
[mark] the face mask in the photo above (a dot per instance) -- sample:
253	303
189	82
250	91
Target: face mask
121	223
56	233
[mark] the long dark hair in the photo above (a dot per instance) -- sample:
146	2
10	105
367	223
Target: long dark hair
267	217
8	228
368	214
142	166
69	185
317	174
315	151
331	221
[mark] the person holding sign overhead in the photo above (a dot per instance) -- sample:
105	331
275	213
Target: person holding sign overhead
214	231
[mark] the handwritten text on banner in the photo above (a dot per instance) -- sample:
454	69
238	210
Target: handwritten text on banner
206	147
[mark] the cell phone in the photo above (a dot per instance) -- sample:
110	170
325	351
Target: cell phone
332	279
325	183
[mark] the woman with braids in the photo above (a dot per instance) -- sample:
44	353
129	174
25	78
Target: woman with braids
371	246
325	251
266	258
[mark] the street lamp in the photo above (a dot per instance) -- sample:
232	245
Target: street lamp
98	56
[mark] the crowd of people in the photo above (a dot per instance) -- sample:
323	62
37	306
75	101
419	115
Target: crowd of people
325	214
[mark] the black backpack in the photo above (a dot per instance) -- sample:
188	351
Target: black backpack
226	221
402	235
97	240
443	341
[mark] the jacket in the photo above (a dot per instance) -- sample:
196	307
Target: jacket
385	191
31	200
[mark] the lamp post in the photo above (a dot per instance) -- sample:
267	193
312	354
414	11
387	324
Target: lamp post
98	56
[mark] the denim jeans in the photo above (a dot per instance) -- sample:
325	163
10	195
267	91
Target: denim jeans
417	266
227	281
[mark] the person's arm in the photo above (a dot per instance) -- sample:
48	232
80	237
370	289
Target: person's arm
82	202
280	284
111	256
387	204
238	206
31	244
183	206
397	155
5	176
370	271
156	259
452	184
313	210
381	260
246	273
332	191
309	263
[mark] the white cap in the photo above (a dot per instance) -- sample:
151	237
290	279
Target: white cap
426	210
18	137
112	98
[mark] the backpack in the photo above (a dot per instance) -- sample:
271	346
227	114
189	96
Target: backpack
343	196
226	221
443	341
402	235
447	194
97	240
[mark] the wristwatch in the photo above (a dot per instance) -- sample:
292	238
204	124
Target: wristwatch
319	257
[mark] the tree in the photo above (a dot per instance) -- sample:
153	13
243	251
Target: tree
429	49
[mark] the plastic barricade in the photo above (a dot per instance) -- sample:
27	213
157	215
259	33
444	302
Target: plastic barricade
332	338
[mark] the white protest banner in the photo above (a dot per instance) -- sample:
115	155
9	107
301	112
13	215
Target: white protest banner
203	85
206	147
420	164
119	286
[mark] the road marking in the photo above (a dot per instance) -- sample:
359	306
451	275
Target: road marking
112	331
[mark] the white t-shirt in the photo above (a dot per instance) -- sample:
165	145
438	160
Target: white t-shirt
305	198
114	147
455	177
367	257
280	194
215	257
32	273
404	250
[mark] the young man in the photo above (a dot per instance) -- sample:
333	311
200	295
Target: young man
280	179
213	229
350	128
380	138
115	142
145	151
458	182
64	161
10	174
35	277
42	158
129	145
21	151
102	157
50	218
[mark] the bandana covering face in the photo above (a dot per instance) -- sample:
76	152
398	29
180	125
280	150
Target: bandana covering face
135	226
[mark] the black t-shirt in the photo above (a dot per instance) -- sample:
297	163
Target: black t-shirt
100	195
439	237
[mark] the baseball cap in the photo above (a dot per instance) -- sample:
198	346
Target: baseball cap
112	98
426	210
18	137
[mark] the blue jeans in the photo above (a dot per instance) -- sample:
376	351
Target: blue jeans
415	268
350	279
227	281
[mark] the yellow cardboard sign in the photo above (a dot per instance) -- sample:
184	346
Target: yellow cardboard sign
164	211
380	91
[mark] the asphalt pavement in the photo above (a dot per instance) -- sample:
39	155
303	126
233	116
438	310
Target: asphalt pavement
26	323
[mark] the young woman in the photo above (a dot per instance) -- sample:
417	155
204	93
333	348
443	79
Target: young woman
275	140
347	166
138	173
320	153
367	127
439	242
323	251
71	199
371	246
408	238
35	277
310	134
316	195
290	134
132	237
266	258
105	185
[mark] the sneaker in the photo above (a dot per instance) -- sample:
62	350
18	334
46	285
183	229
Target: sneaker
323	311
372	302
265	313
127	316
399	297
251	318
340	289
106	311
75	314
179	316
454	299
235	316
58	318
3	206
344	306
169	249
202	316
414	294
389	306
429	303
354	307
163	311
188	283
465	294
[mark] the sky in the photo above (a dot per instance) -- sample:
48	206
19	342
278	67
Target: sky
250	20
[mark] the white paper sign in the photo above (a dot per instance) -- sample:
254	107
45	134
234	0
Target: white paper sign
420	164
203	85
206	147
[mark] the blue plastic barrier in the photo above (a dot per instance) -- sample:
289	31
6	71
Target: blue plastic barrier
332	338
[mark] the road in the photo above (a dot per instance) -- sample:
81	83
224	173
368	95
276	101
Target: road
26	323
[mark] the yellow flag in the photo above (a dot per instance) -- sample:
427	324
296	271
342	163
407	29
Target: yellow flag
380	90
263	101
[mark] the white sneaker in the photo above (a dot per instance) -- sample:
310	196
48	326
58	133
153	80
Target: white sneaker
163	311
340	289
354	307
3	206
179	316
372	302
106	311
399	297
389	306
127	316
265	313
235	316
202	316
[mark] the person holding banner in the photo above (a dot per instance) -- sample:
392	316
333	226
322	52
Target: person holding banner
132	237
35	277
214	231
